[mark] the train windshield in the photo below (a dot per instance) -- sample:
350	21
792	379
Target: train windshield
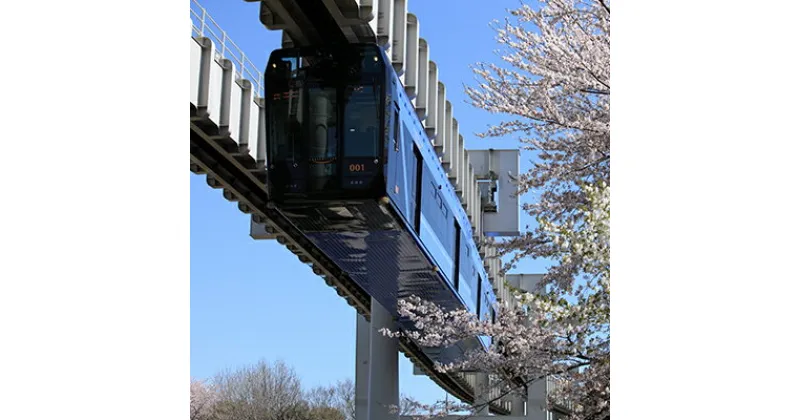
324	118
362	121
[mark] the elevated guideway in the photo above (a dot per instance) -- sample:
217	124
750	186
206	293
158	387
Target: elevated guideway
228	138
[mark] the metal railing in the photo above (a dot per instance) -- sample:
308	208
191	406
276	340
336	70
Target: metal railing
203	25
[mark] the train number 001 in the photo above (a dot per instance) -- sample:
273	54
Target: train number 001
358	167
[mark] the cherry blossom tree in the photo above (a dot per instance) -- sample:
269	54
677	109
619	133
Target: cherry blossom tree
554	83
269	391
340	396
262	391
203	401
554	334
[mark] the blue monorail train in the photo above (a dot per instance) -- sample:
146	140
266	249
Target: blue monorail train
350	165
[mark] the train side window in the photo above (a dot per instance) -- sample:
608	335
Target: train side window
491	311
396	128
418	198
457	254
478	308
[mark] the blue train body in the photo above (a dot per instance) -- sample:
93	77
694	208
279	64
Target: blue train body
392	219
442	217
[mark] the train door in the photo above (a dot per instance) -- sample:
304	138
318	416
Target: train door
394	155
417	198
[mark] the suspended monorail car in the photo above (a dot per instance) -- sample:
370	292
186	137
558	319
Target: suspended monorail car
350	165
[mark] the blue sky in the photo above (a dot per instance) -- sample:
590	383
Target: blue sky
253	299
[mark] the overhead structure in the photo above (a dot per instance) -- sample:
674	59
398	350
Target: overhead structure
229	129
485	181
228	145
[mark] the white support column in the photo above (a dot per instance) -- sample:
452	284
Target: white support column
398	49
261	142
423	78
442	123
536	407
432	119
411	77
384	23
384	389
362	367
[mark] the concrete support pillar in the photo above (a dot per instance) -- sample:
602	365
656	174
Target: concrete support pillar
482	395
536	407
517	405
384	389
362	368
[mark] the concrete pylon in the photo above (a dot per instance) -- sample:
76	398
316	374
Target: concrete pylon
517	405
384	389
362	367
482	394
537	406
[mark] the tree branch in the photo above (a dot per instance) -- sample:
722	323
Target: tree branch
605	6
589	165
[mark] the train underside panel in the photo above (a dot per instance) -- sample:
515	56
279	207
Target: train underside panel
378	251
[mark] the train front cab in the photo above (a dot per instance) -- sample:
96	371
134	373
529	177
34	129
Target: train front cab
325	136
